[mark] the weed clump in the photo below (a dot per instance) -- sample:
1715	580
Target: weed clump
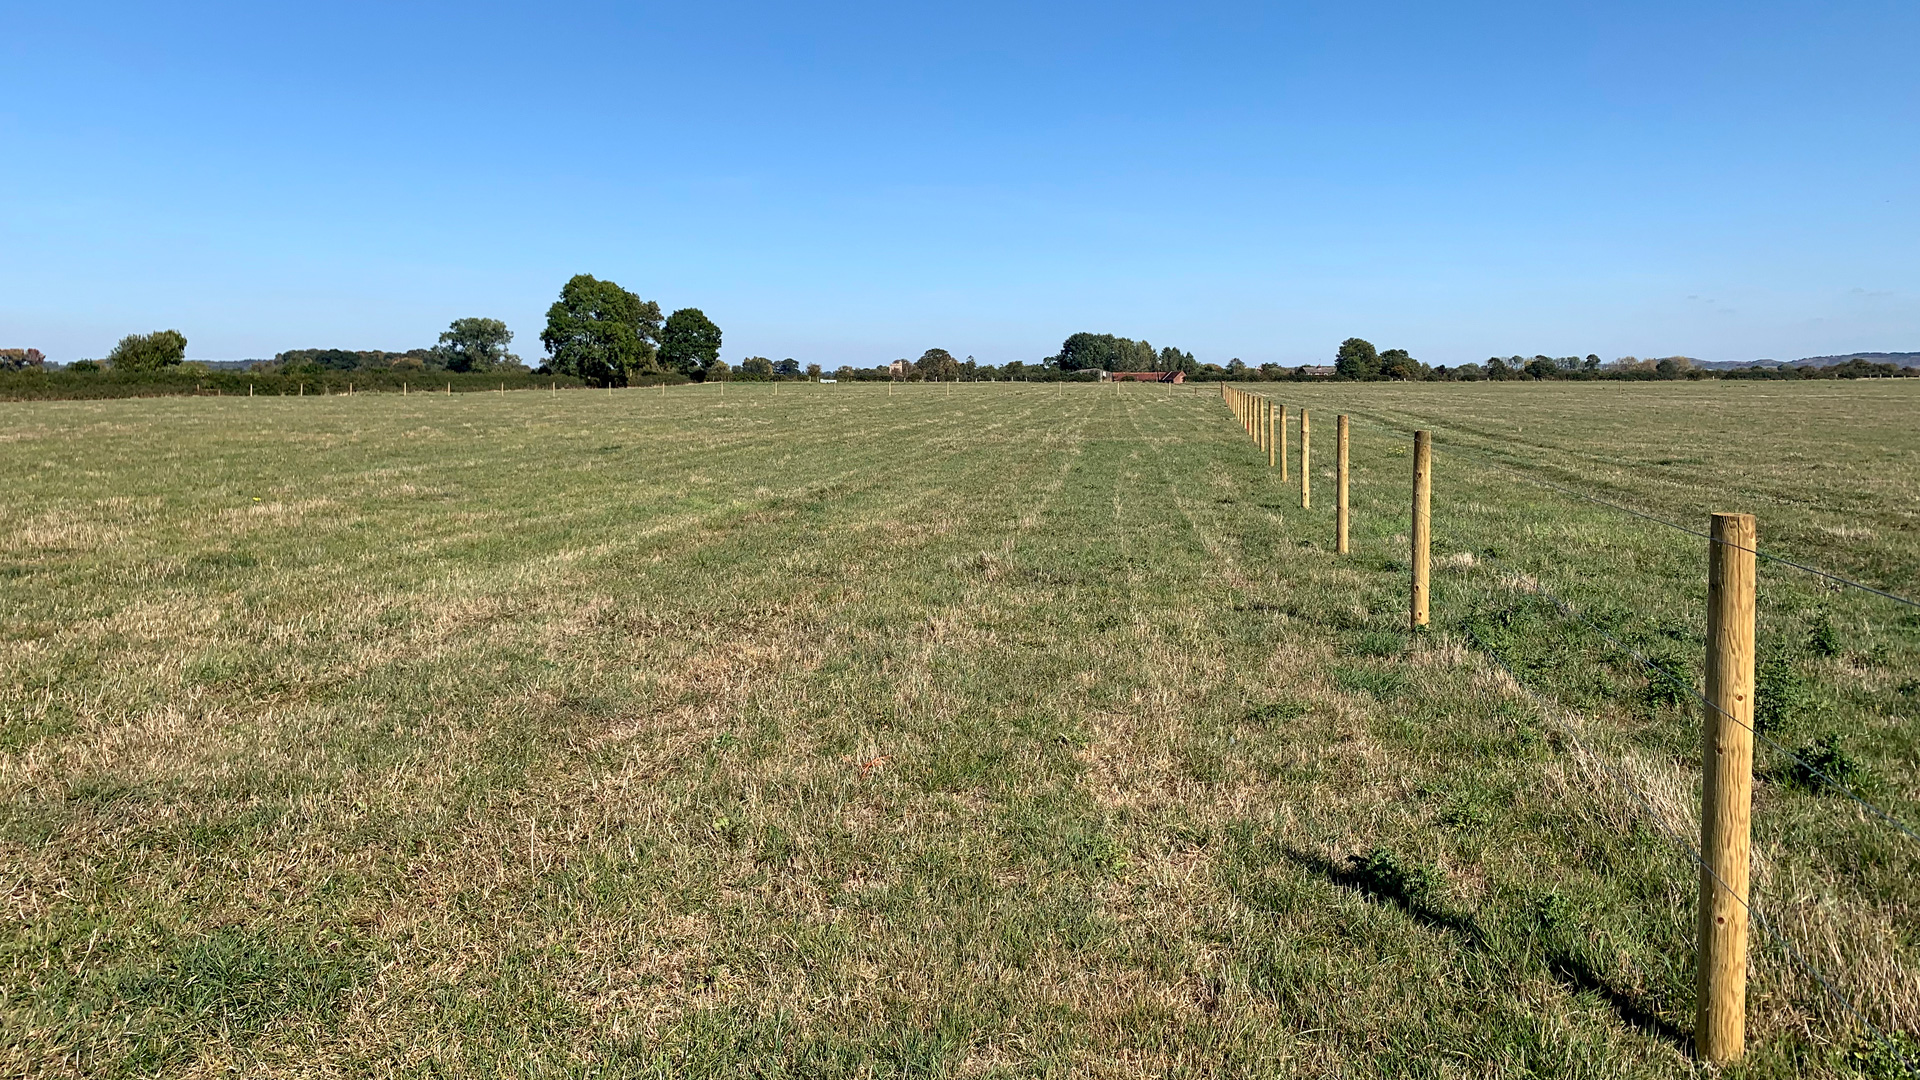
1382	874
1825	763
1823	640
1672	685
1275	711
1783	696
1379	643
1098	855
1383	685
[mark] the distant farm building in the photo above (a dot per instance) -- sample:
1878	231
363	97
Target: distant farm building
21	359
1317	371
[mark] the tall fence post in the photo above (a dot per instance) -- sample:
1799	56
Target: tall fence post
1283	444
1340	490
1269	434
1306	459
1422	531
1726	791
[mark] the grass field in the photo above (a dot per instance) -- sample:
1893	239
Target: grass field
989	730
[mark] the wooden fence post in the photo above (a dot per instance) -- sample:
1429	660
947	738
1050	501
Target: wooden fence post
1340	491
1283	444
1726	792
1269	434
1306	461
1422	524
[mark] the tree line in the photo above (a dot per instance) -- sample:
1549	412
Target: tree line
604	335
1357	359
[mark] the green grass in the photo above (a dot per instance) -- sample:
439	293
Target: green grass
982	731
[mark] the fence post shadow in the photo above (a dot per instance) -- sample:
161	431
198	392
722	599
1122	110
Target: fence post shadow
1569	970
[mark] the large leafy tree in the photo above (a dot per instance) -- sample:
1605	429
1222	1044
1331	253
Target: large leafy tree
937	364
1172	359
1106	352
149	352
756	367
600	332
1088	352
689	342
1357	359
475	345
1399	364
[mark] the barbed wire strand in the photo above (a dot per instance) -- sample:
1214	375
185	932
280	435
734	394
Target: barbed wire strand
1769	556
1570	611
1766	926
1693	852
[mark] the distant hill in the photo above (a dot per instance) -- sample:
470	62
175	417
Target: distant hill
1898	359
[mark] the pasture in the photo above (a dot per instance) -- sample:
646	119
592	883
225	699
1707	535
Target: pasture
977	730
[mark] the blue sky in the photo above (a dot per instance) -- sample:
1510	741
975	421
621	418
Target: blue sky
851	183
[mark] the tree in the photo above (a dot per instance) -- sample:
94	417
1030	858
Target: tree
1541	368
1237	368
937	364
1088	352
1398	364
1497	369
813	371
157	351
718	371
787	368
1172	359
22	360
756	367
475	345
1357	359
689	342
600	332
1592	364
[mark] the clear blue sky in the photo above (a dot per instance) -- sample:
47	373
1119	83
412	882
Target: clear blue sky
855	182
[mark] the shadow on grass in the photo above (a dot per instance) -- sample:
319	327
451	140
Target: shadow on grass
1382	882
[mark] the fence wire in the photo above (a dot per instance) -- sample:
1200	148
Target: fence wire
1693	852
1617	775
1523	474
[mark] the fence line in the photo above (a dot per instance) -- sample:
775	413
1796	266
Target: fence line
1770	557
1573	613
1715	1041
1653	814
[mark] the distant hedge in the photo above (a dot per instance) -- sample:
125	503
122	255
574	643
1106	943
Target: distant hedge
80	385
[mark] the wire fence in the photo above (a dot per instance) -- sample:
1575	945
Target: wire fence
1574	615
